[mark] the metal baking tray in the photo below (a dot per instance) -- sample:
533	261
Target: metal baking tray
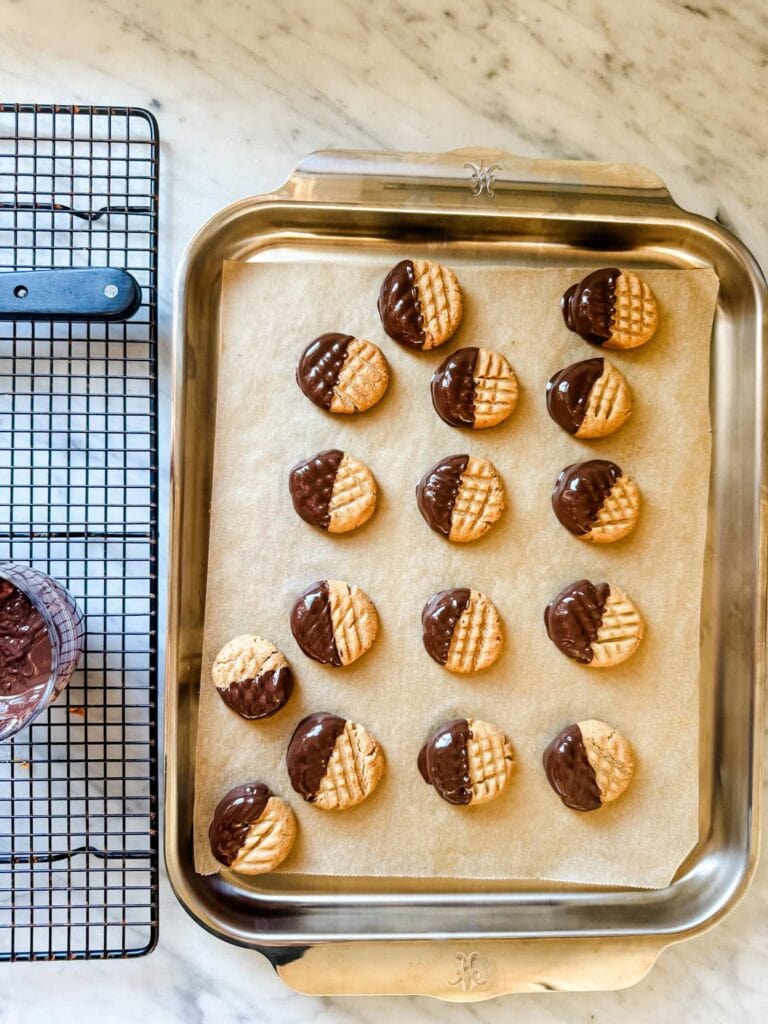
464	940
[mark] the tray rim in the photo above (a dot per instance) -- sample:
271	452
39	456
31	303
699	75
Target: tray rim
286	197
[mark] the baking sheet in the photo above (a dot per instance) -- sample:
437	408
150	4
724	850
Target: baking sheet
262	555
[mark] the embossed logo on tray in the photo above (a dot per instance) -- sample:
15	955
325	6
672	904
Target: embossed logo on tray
469	973
483	176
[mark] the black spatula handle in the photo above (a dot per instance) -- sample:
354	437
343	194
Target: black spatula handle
97	293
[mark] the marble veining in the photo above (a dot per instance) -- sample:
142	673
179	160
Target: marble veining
242	90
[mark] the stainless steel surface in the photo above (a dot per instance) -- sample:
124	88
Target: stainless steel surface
473	207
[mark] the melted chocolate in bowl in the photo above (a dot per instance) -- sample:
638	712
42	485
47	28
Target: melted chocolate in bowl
26	658
41	639
25	647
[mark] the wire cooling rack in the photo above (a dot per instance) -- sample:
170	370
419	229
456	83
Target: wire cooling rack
78	499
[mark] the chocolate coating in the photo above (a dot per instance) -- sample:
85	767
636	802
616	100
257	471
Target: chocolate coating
25	646
574	617
317	373
444	762
312	626
580	491
310	749
261	697
569	772
589	307
400	306
568	392
453	388
233	817
437	490
311	486
438	619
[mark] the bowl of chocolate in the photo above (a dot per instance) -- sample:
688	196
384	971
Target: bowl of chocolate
41	640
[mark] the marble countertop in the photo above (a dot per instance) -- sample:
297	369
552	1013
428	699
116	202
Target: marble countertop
242	90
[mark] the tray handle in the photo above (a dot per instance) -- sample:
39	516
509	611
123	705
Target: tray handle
460	177
468	972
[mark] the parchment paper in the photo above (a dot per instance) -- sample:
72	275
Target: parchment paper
262	555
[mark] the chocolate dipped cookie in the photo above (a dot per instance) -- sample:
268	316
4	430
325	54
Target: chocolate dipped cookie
334	623
588	764
461	497
595	501
596	624
333	763
252	830
611	308
474	387
333	491
420	304
461	630
589	399
252	677
342	374
467	761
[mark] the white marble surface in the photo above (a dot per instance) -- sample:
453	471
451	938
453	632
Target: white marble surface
242	90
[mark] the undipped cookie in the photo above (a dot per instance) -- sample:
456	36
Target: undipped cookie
333	491
252	830
252	677
474	387
333	622
342	374
461	630
461	497
420	304
596	501
332	762
588	764
612	308
594	623
467	761
589	399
